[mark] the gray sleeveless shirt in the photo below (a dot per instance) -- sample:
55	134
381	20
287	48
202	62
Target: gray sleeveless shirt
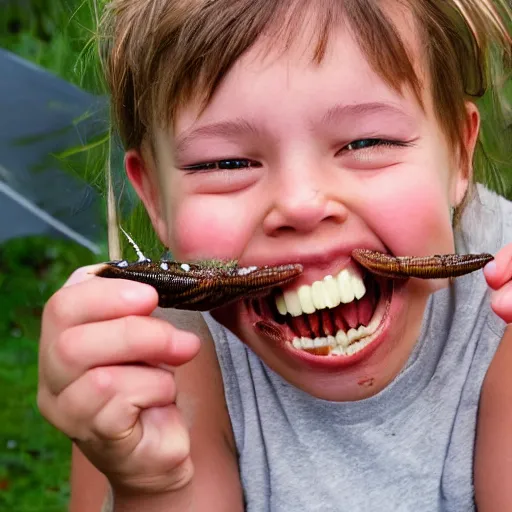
408	448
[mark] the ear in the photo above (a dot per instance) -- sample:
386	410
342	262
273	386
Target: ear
140	169
464	174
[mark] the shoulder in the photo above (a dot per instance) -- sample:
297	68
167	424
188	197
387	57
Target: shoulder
506	216
493	451
494	213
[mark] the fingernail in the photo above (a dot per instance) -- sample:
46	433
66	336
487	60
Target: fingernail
81	274
490	268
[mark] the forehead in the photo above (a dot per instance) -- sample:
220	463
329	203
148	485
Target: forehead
272	65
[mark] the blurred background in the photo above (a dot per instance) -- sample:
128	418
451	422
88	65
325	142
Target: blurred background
53	124
54	128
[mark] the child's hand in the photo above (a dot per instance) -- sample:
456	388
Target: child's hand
499	277
94	387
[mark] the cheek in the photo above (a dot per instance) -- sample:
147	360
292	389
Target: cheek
413	216
209	227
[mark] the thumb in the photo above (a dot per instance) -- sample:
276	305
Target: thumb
83	274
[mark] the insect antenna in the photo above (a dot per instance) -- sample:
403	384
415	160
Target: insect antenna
140	255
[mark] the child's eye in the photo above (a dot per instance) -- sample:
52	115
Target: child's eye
369	143
234	163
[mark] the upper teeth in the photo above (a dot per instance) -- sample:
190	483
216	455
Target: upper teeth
328	293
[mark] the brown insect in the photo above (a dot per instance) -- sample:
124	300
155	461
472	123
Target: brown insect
200	286
211	284
428	267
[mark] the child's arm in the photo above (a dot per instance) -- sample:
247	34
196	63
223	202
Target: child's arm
493	455
493	451
89	487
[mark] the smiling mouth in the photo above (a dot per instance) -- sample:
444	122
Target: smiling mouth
337	316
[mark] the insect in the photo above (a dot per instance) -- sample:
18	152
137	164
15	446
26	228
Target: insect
210	284
199	286
427	267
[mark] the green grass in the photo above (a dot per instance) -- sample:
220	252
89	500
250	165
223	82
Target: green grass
34	457
54	34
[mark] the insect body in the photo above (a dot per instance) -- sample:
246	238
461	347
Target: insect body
428	267
199	286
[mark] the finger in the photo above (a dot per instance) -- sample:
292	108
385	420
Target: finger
83	274
96	299
124	340
166	439
105	402
499	271
158	447
502	303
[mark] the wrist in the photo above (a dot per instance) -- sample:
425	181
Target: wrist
155	502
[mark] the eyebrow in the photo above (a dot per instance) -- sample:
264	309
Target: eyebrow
229	129
241	127
338	112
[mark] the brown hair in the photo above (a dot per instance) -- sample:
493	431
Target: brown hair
159	54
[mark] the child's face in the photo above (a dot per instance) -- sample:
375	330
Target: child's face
319	186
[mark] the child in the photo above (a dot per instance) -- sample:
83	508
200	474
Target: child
293	132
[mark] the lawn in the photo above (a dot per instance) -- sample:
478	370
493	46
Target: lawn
34	457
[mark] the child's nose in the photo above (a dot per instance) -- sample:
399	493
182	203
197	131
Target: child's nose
303	209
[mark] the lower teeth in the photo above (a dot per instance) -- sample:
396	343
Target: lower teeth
332	343
345	343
